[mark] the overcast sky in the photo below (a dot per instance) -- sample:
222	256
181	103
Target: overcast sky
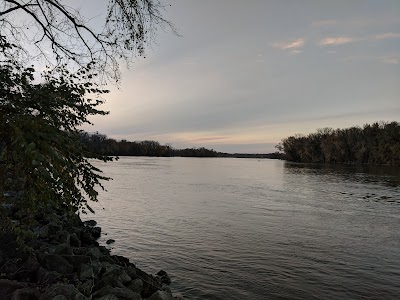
245	74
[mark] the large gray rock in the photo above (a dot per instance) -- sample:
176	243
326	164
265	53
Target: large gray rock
86	272
150	284
77	260
91	223
27	272
119	274
59	297
164	277
74	240
161	295
125	294
63	249
107	281
136	286
131	271
108	297
121	293
94	252
58	264
26	294
45	277
8	287
86	287
67	290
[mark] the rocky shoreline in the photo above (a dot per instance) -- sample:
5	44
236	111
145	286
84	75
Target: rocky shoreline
53	255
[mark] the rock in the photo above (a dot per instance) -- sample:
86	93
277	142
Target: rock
26	294
150	283
161	295
107	282
67	290
94	252
108	297
8	287
131	271
91	223
167	289
178	296
86	287
121	260
136	286
89	235
59	297
74	240
104	250
58	264
63	249
86	272
119	274
122	293
63	237
9	268
45	277
164	277
77	260
110	241
27	272
103	290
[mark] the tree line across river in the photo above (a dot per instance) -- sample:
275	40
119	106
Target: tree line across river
378	143
100	144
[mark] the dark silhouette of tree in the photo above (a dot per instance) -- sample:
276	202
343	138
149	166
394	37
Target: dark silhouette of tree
41	148
59	34
40	142
378	143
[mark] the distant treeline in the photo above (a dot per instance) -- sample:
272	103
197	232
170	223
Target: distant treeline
100	144
378	143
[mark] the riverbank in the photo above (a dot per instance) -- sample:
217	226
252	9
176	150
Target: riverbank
55	255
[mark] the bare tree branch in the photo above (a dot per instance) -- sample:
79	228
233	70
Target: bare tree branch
129	26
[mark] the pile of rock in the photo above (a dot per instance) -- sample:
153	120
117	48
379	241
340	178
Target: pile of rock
59	258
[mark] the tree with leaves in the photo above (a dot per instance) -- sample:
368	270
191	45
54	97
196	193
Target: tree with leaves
378	143
40	115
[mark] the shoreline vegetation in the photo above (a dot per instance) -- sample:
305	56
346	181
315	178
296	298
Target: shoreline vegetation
100	144
375	144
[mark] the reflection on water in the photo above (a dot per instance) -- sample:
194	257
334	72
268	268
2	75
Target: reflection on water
257	229
387	175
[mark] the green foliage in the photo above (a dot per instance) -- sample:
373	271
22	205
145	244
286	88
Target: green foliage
378	143
39	136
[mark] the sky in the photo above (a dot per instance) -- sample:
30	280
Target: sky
242	75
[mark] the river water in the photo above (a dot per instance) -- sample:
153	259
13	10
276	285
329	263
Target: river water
226	228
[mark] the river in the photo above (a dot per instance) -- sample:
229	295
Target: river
227	228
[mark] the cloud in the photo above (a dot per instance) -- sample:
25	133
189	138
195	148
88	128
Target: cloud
341	40
320	23
333	41
294	52
388	35
390	59
291	45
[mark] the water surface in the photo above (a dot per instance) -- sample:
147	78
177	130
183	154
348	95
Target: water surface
226	228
